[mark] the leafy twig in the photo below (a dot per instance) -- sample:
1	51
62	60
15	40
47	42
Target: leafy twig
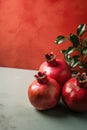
78	44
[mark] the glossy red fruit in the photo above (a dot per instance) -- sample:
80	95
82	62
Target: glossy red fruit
56	68
44	92
74	93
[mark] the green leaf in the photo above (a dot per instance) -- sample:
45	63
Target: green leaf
81	29
81	66
66	56
74	61
63	51
60	39
84	51
85	40
70	50
75	40
67	52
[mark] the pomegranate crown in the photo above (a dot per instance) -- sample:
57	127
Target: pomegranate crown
41	77
82	78
51	59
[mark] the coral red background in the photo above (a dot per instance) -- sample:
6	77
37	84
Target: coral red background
28	29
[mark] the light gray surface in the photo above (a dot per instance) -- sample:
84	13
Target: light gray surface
16	113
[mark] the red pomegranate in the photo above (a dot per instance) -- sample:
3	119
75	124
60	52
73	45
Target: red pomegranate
44	92
74	93
56	68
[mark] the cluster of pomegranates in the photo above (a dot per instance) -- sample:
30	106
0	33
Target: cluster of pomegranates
53	81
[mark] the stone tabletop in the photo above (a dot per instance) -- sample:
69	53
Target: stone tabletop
16	112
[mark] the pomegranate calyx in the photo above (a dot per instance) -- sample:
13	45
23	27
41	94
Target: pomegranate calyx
41	77
51	58
82	78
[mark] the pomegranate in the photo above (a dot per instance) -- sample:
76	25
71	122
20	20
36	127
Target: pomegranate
74	93
56	68
44	92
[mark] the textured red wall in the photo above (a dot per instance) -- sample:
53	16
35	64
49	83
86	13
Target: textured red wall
28	29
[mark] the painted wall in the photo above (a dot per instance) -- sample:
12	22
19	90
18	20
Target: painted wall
28	29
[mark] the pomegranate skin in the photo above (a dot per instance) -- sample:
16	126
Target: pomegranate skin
58	70
74	96
44	96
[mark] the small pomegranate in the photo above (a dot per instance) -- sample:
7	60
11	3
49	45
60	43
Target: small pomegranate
56	68
74	93
44	92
